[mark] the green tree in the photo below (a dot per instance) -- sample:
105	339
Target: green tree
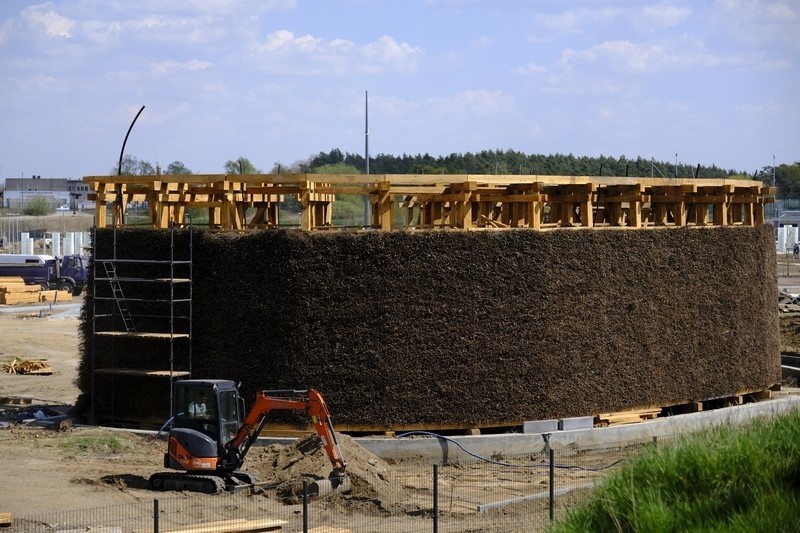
242	165
178	168
132	166
336	168
787	179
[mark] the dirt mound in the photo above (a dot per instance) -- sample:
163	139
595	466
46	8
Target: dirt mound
285	468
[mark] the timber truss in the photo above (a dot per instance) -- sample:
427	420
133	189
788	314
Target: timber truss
240	202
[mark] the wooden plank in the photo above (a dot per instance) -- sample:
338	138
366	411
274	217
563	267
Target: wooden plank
627	417
6	519
500	197
234	525
11	288
19	298
141	334
329	529
142	372
614	198
54	295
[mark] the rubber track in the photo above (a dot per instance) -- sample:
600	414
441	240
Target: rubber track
190	482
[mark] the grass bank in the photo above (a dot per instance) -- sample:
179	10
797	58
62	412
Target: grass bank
726	479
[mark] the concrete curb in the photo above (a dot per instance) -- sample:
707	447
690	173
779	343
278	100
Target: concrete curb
440	450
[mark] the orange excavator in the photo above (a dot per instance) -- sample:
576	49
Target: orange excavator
209	440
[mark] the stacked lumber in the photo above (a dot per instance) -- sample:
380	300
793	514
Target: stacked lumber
52	296
626	417
13	290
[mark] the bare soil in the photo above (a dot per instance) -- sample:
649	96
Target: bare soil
73	467
45	470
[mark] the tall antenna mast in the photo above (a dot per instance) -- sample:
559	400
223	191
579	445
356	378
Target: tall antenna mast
366	131
367	210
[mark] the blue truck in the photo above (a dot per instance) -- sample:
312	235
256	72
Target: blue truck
66	273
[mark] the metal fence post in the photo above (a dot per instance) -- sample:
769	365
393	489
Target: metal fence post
552	482
155	515
435	498
305	506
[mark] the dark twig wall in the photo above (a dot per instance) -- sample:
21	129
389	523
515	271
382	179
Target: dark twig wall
461	328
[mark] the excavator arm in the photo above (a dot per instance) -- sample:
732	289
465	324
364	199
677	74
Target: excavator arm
309	401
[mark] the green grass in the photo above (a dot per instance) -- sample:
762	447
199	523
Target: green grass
727	479
94	445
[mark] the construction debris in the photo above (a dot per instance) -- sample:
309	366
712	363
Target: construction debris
28	366
52	416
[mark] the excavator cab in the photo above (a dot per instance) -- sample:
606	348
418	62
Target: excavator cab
211	407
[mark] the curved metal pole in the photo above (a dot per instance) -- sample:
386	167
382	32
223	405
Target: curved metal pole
119	166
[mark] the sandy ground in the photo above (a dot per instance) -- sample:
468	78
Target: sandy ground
45	470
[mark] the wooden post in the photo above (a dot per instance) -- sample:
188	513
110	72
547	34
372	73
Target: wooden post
307	213
383	208
462	207
587	206
100	206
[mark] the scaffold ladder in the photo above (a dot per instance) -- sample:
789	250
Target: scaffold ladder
119	297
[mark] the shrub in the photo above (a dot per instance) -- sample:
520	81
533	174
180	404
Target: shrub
36	206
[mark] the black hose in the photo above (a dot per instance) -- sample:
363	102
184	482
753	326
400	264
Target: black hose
500	463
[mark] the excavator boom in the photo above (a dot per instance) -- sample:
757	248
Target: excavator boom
309	401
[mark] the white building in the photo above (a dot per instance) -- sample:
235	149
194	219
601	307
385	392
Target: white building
55	192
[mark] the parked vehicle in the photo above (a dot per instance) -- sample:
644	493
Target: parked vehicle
66	274
63	208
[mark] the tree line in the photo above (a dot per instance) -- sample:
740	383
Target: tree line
786	177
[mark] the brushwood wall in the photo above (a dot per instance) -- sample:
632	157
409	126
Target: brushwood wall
454	327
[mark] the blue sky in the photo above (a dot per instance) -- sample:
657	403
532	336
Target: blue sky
716	82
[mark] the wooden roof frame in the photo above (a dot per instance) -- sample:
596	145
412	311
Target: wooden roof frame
462	201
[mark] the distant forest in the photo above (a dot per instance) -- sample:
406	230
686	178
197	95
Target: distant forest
785	176
513	162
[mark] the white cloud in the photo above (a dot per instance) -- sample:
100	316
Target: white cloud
5	30
180	30
40	84
464	105
665	15
45	15
481	42
761	23
164	67
529	69
206	7
308	54
402	56
642	58
575	21
101	32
